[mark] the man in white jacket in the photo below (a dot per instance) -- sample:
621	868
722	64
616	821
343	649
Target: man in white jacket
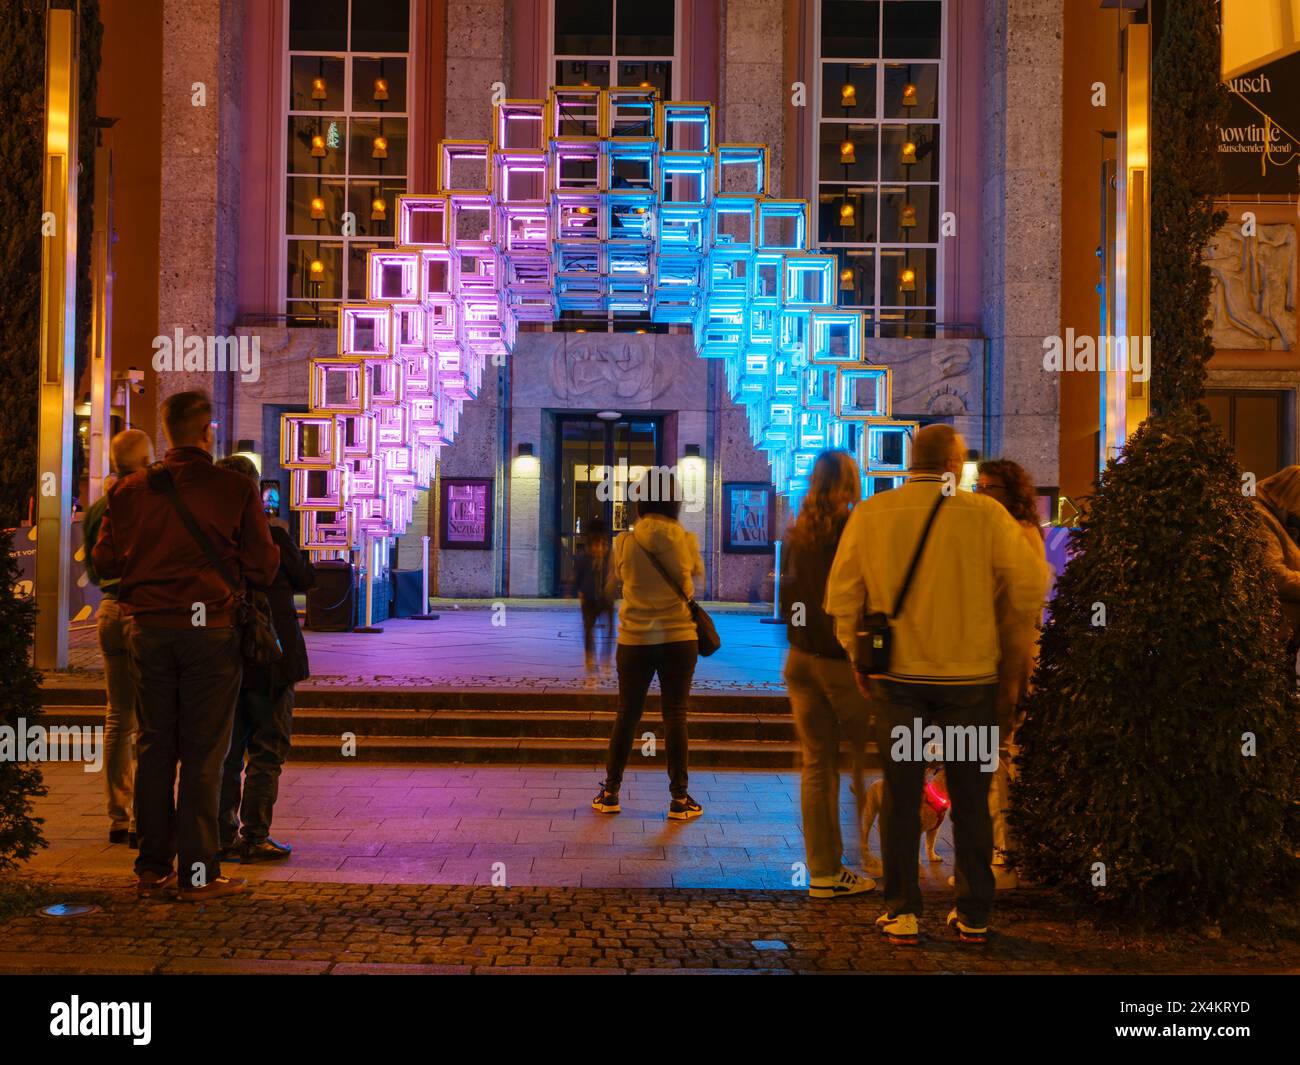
941	683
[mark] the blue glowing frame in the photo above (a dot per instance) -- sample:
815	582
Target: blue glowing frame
592	200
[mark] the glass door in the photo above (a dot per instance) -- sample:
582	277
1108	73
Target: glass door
598	459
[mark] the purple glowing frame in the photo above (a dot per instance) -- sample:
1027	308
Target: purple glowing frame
590	200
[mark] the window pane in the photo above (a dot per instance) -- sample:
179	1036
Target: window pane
894	280
909	214
378	84
301	282
361	202
912	90
645	27
318	25
851	28
913	29
328	196
581	72
858	288
848	90
321	135
380	25
848	151
357	269
647	75
846	214
311	76
584	27
370	138
909	324
909	153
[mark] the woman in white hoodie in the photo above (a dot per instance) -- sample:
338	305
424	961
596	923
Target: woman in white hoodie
655	635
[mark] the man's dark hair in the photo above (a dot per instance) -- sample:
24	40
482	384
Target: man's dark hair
657	493
185	416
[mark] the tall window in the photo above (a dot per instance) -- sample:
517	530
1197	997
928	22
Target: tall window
615	42
345	159
877	164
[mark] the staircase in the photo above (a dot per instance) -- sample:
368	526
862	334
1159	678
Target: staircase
731	730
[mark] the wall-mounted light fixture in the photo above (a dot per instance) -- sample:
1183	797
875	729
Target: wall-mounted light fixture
692	451
526	463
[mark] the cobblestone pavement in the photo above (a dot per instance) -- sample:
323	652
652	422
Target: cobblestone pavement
302	927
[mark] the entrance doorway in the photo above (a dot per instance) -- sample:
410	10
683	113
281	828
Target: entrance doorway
592	452
1254	423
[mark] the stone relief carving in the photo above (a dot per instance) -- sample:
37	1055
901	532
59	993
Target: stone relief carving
1253	296
929	377
606	365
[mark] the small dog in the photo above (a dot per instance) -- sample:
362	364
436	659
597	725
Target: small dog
934	808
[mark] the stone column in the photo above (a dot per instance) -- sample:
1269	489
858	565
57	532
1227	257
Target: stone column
1022	226
198	201
752	108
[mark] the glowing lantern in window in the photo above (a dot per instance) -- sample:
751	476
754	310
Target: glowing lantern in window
847	155
316	270
317	146
907	216
318	88
909	153
379	150
381	88
848	95
317	207
907	280
909	95
847	219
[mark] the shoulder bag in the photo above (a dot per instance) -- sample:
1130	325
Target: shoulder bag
706	633
258	641
875	633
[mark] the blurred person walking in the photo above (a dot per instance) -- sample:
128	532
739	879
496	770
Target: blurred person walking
130	450
657	563
824	698
263	728
931	659
1277	503
183	639
594	581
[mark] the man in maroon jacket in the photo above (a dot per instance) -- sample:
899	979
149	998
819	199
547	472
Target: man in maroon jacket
183	641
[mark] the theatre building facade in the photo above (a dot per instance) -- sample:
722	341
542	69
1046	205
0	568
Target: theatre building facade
904	163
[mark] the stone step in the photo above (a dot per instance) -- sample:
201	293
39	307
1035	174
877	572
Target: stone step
420	699
514	737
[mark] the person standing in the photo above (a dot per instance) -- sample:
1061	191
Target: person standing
1010	485
130	451
970	568
657	562
826	703
183	639
263	728
593	578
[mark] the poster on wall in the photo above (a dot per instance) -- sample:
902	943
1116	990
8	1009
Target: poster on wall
748	517
1257	147
467	513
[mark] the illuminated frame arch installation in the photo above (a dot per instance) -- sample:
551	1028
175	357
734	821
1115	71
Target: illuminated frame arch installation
593	200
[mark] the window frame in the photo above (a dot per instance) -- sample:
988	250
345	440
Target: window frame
326	308
675	59
881	123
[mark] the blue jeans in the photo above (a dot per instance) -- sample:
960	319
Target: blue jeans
262	732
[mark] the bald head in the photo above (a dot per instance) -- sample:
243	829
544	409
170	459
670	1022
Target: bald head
938	449
131	451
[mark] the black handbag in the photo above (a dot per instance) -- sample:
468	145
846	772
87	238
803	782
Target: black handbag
875	634
706	633
258	642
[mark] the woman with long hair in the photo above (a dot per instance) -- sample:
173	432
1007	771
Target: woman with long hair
824	697
657	562
1010	485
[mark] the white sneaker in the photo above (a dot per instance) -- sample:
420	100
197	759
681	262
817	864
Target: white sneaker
845	882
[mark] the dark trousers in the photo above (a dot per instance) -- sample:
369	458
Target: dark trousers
968	788
262	731
188	682
593	615
637	666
